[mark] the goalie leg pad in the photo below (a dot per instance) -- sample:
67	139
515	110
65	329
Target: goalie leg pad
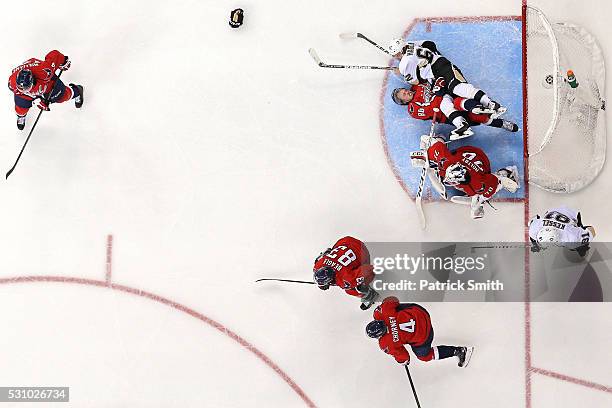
477	207
508	177
427	141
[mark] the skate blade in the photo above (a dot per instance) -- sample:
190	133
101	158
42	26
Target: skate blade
468	356
483	111
455	136
499	112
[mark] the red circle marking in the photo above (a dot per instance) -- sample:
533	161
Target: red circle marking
177	306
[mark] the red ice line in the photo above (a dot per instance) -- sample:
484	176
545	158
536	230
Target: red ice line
177	306
527	302
109	259
572	380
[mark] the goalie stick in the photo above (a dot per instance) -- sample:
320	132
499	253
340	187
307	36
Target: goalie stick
320	63
419	195
347	36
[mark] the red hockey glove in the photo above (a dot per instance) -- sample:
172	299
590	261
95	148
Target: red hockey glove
439	87
40	104
65	65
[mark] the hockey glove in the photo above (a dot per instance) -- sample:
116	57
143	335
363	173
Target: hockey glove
66	65
40	104
439	87
534	245
583	250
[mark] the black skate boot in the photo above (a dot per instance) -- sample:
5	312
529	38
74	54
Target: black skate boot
78	100
21	122
498	108
510	126
368	299
461	132
464	354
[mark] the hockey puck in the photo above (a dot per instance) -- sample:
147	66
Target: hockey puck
236	18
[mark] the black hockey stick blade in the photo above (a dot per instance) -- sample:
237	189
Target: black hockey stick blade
348	36
284	280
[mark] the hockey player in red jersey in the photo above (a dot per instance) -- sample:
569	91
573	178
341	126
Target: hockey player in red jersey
396	325
35	83
347	265
468	169
423	98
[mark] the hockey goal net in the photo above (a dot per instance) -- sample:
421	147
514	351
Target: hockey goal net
565	86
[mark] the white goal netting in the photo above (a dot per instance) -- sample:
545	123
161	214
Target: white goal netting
566	113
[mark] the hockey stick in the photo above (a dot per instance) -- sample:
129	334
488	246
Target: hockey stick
501	247
416	398
8	173
419	195
363	37
320	63
284	280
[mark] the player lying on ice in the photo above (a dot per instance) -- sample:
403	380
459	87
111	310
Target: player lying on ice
35	83
423	99
420	62
347	265
466	169
398	324
560	227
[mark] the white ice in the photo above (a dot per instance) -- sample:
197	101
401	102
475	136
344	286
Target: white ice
215	157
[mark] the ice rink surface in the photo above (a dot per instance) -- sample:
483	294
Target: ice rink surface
214	157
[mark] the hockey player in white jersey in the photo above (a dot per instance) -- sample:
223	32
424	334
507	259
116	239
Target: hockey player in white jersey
560	227
420	61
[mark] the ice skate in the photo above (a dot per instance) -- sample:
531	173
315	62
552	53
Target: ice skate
510	126
21	122
497	108
461	132
464	354
78	101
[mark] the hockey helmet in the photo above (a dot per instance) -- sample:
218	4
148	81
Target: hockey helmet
549	236
324	276
456	174
25	80
395	95
376	329
396	46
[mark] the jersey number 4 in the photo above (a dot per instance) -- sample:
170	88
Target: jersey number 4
408	326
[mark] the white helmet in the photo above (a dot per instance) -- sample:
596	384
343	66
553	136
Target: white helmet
396	46
455	174
549	236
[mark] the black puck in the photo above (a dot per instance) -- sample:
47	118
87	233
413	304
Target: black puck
236	18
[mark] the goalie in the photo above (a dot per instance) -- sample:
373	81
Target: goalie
422	100
466	169
560	227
